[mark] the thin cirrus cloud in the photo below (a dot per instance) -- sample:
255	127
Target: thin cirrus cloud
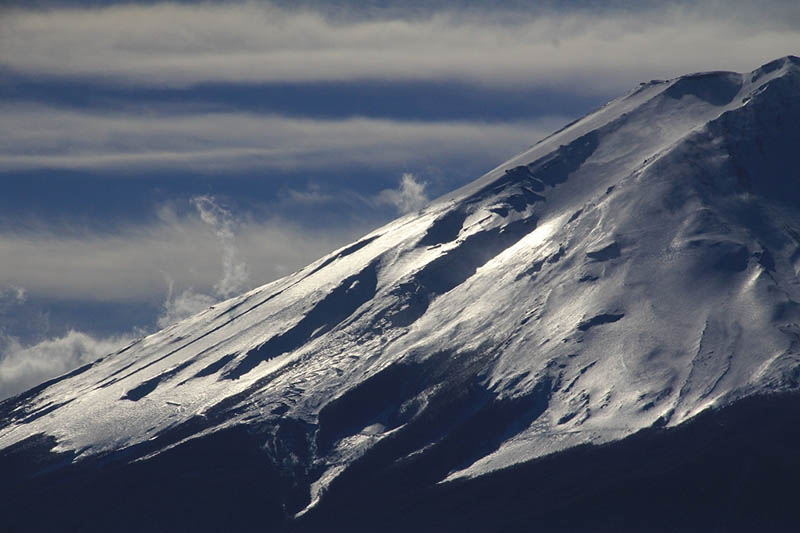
138	263
180	45
38	136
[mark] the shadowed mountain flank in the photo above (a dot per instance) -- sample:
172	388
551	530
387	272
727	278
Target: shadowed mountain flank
604	318
729	469
334	308
414	294
720	475
716	88
444	229
556	167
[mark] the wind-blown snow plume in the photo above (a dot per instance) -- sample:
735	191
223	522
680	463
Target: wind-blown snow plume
182	305
408	197
234	271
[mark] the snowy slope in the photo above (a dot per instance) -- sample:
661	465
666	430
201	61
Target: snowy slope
631	270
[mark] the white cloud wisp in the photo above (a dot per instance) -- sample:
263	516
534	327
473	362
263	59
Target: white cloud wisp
184	44
37	136
235	272
135	263
408	197
22	367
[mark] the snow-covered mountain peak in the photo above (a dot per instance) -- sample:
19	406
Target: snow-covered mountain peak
632	269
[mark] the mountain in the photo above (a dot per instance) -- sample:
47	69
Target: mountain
600	331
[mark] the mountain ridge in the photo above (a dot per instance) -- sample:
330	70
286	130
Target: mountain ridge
629	271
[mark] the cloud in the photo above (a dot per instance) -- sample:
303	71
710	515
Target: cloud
171	44
136	262
312	195
183	305
37	136
408	197
12	295
234	271
22	367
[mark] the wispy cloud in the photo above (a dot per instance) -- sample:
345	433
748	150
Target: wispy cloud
184	44
47	137
22	367
235	272
136	263
409	196
183	305
11	296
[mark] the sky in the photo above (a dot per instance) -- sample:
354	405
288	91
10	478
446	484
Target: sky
157	157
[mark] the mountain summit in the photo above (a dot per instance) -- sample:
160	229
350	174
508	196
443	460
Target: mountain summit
625	281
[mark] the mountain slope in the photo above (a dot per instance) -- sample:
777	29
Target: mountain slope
630	271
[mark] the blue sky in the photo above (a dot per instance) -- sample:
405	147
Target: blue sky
157	157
